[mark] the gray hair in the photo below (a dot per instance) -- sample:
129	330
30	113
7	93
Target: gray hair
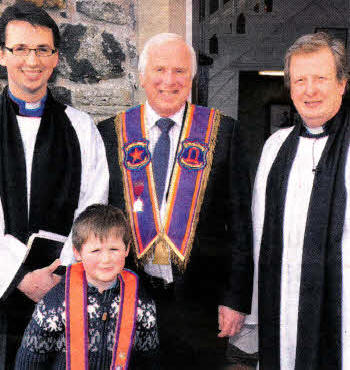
159	39
313	42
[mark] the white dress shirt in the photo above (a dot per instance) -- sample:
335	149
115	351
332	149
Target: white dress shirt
153	133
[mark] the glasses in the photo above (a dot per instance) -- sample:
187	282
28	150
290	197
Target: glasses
23	51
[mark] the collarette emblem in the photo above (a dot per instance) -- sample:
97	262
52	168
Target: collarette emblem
136	154
193	155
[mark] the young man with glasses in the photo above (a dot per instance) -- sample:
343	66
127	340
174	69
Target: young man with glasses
52	165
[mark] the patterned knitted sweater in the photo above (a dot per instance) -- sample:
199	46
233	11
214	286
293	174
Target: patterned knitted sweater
43	345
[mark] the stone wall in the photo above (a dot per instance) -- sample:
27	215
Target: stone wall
97	71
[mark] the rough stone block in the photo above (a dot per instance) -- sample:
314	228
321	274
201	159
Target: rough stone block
107	11
62	94
60	4
113	52
88	56
104	97
132	52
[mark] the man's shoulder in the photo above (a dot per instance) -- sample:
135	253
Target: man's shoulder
106	123
228	125
106	127
273	144
278	137
75	114
83	125
107	130
226	122
345	109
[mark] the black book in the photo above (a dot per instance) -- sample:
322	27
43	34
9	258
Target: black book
43	249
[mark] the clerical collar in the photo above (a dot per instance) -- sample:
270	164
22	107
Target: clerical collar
22	108
316	132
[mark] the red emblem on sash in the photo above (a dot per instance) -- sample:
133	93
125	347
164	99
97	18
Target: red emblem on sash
137	155
193	155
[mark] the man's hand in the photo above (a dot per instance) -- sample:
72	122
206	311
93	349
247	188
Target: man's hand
37	283
230	321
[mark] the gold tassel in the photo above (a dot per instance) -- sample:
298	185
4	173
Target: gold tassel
161	254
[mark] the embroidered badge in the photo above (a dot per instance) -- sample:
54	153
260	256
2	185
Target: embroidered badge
193	155
138	190
136	155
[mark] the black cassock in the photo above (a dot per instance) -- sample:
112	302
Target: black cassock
54	196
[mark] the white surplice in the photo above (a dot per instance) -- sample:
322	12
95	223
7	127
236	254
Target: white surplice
93	186
300	184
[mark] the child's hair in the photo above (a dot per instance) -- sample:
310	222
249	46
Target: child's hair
100	220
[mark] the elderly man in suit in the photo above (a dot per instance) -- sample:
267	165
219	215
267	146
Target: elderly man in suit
181	173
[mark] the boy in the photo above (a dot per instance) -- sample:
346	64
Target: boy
87	321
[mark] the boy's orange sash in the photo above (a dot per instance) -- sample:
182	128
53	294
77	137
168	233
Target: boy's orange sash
77	340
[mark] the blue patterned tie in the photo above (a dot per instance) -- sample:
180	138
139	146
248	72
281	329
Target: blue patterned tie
161	156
